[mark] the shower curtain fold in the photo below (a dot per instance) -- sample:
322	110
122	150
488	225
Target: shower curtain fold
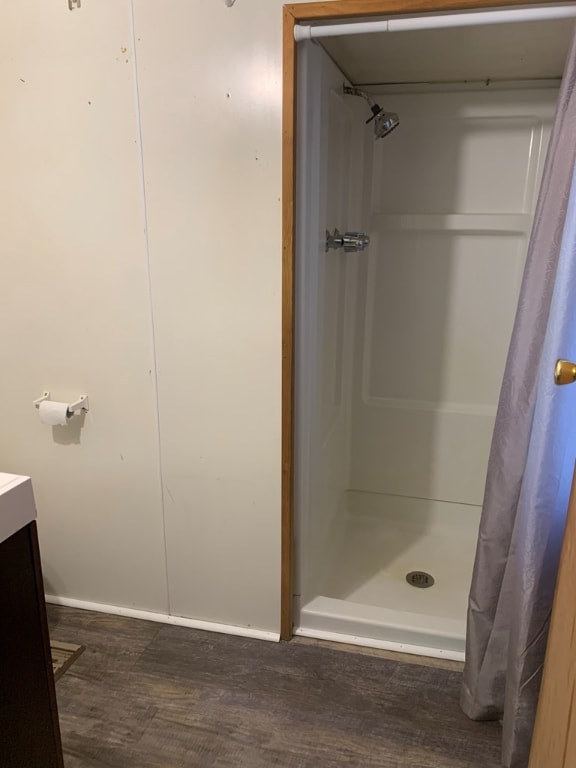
531	464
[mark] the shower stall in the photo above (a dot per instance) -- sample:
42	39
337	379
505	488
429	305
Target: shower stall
412	226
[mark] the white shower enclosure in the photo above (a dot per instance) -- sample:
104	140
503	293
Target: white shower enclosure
400	348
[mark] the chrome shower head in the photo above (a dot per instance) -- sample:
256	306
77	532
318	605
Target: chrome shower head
384	122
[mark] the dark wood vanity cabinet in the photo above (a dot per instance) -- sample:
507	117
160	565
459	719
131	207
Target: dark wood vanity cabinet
29	728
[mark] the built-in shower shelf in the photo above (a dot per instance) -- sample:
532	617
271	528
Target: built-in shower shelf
486	223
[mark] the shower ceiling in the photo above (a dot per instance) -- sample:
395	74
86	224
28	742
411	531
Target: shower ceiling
512	51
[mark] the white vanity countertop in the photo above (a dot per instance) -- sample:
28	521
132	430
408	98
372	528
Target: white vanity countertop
17	507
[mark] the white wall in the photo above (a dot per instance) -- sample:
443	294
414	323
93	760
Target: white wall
75	305
210	92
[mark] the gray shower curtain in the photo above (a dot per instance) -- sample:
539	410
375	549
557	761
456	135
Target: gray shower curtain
530	466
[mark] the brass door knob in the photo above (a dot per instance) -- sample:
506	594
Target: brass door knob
565	372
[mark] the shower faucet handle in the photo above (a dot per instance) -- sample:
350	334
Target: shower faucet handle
352	242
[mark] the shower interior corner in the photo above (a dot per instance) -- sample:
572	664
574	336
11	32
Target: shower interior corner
401	347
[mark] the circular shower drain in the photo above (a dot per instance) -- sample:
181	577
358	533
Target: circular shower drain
419	579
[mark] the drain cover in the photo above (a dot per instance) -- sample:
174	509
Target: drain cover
419	579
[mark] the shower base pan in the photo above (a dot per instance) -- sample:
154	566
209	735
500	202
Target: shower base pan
366	599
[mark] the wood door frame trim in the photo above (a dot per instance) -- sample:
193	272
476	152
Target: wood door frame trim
553	742
292	15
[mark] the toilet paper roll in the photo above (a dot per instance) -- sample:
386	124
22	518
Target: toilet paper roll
55	414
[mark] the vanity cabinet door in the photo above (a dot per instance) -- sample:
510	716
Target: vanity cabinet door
29	729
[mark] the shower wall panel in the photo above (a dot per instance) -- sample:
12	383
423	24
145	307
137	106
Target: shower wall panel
330	171
453	194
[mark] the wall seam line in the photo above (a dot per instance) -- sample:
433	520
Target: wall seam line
149	277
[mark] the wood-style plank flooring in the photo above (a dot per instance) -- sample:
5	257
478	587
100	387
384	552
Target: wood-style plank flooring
146	695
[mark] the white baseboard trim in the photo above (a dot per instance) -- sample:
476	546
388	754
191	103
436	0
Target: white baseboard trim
383	645
163	618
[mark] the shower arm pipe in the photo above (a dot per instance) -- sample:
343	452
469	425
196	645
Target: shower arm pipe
351	90
439	21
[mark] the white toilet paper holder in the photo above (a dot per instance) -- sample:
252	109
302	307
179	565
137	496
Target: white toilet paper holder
78	405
